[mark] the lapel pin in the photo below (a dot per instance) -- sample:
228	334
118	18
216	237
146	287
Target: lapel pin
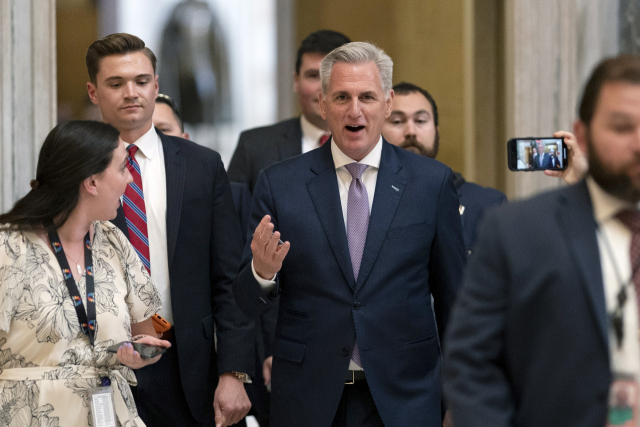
461	209
395	188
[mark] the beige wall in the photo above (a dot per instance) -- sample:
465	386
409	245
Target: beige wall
425	39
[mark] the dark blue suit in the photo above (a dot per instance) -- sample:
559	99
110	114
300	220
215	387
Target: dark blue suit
476	200
414	248
546	161
527	344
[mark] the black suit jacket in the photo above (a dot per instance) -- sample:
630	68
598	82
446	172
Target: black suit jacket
261	147
204	246
527	344
414	249
476	199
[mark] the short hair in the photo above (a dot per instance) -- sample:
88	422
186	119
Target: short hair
623	68
166	99
404	88
323	41
358	53
115	44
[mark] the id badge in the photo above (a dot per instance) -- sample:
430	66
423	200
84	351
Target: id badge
623	403
102	407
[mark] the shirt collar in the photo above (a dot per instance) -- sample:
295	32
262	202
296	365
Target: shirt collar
372	159
309	130
148	143
605	206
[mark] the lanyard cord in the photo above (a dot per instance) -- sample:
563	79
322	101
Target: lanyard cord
617	318
86	318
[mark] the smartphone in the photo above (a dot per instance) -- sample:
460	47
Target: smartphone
536	154
144	350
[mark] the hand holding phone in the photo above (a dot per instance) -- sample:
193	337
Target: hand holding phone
537	154
145	351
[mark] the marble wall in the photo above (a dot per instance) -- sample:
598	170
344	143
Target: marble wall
27	91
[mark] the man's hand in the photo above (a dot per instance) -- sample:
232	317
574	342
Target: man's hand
267	254
577	166
447	421
230	402
266	370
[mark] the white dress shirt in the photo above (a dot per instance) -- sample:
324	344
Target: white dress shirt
614	242
310	135
150	157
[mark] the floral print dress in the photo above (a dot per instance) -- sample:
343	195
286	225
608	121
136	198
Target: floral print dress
46	363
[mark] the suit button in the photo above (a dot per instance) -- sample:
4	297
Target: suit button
356	305
345	351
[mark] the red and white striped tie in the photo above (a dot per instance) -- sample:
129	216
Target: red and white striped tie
134	210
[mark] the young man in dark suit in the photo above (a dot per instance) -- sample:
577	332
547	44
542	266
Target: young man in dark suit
545	329
179	216
261	147
413	125
371	232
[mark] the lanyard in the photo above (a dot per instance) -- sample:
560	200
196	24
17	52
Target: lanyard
87	319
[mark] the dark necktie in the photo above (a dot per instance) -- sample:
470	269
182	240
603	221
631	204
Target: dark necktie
135	211
324	138
631	219
357	225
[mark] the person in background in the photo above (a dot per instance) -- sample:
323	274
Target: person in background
560	299
413	125
179	216
71	285
167	118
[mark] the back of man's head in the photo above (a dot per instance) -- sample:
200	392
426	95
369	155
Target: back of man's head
358	53
404	88
621	69
115	44
323	41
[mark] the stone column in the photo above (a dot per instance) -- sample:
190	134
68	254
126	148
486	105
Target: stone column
550	48
27	91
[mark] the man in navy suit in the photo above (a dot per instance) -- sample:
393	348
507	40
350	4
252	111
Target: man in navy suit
541	160
194	246
413	125
371	233
545	329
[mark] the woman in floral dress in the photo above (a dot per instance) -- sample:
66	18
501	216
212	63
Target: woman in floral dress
47	362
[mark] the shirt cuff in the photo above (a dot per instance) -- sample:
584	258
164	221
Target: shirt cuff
266	285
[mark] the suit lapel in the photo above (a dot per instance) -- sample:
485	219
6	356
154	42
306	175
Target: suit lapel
175	167
389	188
576	219
323	188
291	143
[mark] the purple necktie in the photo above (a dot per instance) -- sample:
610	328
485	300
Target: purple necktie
357	225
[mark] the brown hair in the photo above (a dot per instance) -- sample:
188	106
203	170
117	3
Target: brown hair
623	68
115	44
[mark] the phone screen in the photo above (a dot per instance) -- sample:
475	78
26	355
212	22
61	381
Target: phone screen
534	154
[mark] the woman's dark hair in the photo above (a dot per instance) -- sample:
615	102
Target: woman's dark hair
71	153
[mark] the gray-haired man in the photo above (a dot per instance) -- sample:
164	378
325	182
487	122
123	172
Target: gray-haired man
370	231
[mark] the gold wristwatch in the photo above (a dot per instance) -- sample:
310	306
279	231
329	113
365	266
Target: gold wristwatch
242	377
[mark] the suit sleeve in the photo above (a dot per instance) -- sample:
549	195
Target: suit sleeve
475	382
234	331
250	297
448	255
240	165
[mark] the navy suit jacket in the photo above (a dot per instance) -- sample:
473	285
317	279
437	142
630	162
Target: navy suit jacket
476	199
414	249
527	344
204	247
546	161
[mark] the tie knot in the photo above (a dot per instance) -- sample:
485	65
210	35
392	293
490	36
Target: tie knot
631	219
356	169
133	148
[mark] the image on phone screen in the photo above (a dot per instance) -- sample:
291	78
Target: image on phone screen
533	154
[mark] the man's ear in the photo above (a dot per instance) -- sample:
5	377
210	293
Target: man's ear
185	135
92	91
296	82
580	130
389	102
323	107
